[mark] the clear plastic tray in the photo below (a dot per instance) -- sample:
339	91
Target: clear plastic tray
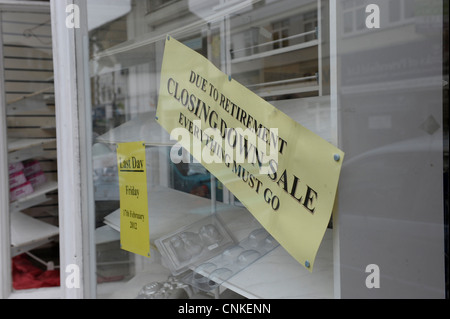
215	271
193	244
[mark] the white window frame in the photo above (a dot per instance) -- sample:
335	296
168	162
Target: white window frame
75	184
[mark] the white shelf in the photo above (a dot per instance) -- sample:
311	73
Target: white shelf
35	198
277	274
285	278
28	233
26	104
21	149
170	210
142	128
16	144
266	92
113	220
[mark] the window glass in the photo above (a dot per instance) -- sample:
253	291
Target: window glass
392	106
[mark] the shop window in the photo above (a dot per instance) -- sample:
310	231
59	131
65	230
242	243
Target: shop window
271	47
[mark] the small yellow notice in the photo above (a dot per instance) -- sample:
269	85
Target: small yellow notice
284	174
134	226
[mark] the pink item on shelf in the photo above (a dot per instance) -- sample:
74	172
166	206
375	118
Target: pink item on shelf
15	167
37	179
20	191
31	167
17	179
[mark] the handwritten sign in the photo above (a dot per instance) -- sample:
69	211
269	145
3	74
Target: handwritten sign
284	174
134	226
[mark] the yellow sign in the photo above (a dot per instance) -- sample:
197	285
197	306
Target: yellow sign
284	174
134	226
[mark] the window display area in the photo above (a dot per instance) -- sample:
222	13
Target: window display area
203	242
96	194
28	93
